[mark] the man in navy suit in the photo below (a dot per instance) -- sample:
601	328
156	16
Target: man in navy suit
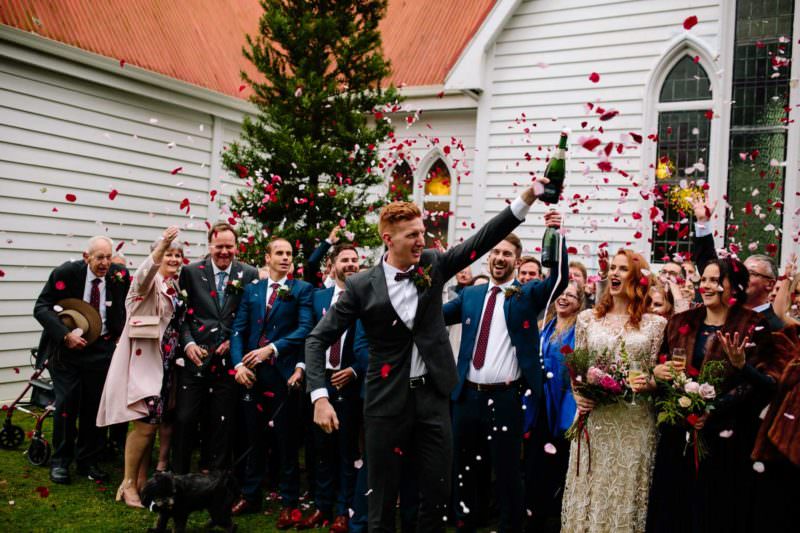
272	322
345	364
498	362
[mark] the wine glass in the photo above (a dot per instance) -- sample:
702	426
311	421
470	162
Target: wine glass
204	356
634	371
679	358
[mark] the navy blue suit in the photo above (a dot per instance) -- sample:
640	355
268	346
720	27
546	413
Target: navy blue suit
496	412
289	322
337	452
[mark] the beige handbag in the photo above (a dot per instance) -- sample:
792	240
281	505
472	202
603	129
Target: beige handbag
144	327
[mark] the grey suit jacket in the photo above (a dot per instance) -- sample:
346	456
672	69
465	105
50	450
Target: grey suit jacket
390	342
209	323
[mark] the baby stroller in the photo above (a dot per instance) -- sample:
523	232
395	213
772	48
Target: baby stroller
42	400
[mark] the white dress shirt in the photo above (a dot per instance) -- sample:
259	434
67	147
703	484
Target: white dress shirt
404	297
500	364
87	295
336	293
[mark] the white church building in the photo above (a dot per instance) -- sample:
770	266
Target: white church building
142	100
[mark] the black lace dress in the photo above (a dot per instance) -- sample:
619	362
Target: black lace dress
159	407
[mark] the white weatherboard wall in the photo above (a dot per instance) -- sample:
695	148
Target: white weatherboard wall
63	134
539	66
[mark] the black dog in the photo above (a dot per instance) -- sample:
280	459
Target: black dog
177	496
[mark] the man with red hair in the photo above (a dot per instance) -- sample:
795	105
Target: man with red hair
411	370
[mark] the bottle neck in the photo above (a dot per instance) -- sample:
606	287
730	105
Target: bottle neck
562	142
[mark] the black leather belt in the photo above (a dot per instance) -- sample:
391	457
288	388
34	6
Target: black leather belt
417	382
489	387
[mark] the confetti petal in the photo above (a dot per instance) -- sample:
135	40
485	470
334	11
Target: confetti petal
690	22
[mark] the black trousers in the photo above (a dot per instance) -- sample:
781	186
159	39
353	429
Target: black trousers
488	420
423	430
207	401
78	379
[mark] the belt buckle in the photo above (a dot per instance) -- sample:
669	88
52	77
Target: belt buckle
417	382
481	387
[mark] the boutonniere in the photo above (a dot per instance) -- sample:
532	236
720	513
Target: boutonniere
120	276
285	293
422	277
234	287
512	292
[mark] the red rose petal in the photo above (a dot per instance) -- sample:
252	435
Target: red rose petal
690	22
526	324
212	194
138	351
591	143
176	170
2	273
297	515
692	419
636	137
71	197
566	349
385	369
709	114
398	451
113	194
608	115
594	77
684	330
121	63
60	285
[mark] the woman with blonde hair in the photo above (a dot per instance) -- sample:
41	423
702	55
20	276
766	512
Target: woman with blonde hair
612	495
137	386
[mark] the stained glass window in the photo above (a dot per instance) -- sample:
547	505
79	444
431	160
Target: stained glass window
761	75
682	155
436	204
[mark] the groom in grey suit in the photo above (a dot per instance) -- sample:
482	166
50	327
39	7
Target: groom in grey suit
411	369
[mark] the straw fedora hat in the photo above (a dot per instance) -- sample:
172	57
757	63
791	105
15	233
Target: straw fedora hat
77	314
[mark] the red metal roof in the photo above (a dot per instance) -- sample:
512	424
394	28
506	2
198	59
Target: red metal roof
200	41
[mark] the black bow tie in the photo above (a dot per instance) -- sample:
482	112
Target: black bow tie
400	276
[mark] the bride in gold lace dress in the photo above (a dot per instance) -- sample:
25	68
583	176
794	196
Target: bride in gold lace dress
612	497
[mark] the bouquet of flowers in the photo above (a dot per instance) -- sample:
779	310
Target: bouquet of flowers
684	400
602	378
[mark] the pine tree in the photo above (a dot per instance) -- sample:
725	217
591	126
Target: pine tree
309	157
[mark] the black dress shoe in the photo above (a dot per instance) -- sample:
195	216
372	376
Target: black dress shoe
60	474
94	473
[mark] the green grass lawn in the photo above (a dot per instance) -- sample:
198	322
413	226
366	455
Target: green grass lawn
29	501
84	505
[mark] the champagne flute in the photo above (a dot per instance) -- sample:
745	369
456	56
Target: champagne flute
634	371
679	358
203	356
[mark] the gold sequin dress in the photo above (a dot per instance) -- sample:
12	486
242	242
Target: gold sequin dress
613	496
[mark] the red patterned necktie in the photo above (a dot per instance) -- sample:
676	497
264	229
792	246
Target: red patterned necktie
336	353
483	336
94	297
335	356
263	341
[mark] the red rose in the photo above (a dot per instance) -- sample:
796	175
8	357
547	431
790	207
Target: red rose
692	419
693	372
662	358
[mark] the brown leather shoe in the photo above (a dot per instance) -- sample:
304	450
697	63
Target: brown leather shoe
312	521
339	525
243	507
289	518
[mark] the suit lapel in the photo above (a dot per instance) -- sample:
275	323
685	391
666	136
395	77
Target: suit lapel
211	280
277	303
235	270
507	305
382	291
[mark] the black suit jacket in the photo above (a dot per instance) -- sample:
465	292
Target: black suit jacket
205	321
73	275
390	341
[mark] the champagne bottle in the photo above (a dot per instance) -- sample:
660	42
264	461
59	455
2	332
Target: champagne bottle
550	243
555	172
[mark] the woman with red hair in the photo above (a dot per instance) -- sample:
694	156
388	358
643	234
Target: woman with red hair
612	495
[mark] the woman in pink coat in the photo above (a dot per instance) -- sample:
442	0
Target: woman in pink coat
137	386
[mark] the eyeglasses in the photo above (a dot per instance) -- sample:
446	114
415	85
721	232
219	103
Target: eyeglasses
564	295
760	275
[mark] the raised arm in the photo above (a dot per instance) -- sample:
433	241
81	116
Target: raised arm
462	255
704	249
